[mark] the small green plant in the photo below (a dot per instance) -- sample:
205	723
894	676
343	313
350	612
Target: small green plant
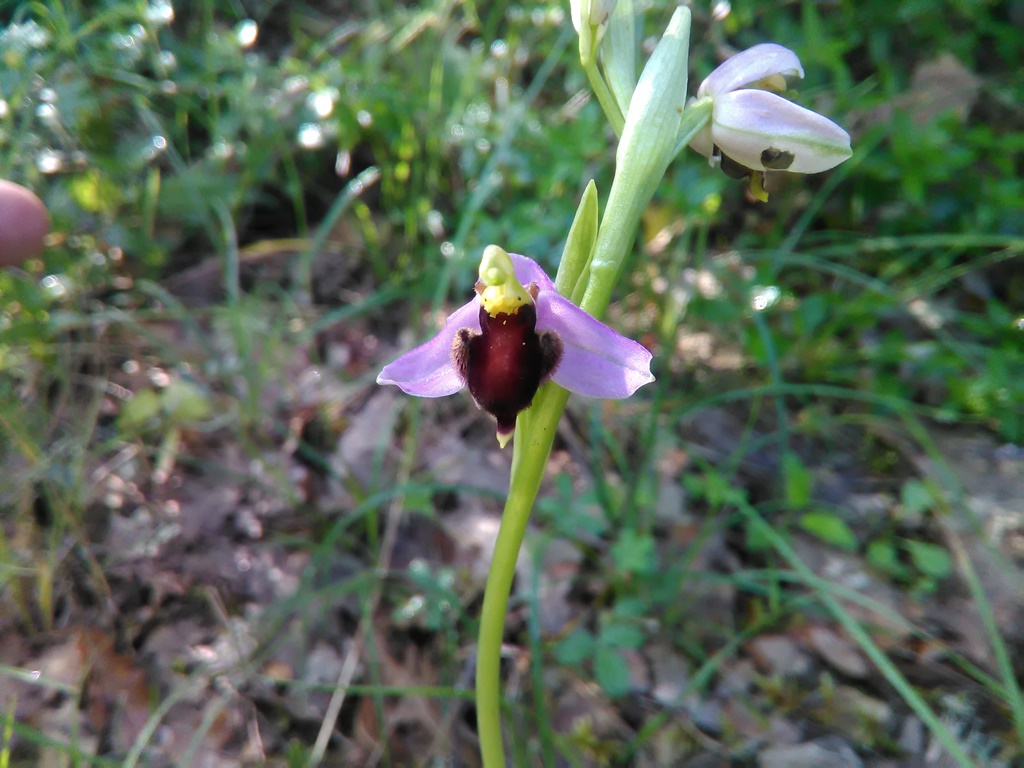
620	628
434	599
918	564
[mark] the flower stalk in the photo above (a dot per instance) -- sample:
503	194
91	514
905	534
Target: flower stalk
590	18
535	434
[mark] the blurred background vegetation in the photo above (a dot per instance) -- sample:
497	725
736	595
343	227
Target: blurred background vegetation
257	204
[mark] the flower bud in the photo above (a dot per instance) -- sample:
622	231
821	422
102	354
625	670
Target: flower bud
592	13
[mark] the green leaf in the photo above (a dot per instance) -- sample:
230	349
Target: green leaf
931	559
756	540
830	529
718	491
575	648
140	410
812	311
95	193
621	635
611	671
634	553
798	481
420	500
408	610
631	608
186	401
916	498
882	555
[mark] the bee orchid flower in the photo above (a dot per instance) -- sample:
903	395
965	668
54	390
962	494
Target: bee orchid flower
512	336
754	130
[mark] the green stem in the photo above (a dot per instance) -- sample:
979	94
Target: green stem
535	434
588	59
605	97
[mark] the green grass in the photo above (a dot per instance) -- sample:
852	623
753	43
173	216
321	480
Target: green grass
891	303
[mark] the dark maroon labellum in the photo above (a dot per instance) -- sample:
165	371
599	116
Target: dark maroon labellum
506	362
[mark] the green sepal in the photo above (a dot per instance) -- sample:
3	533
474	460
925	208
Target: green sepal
579	245
696	117
619	53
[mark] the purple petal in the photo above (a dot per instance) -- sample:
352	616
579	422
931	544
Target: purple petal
427	370
529	271
749	67
596	361
747	123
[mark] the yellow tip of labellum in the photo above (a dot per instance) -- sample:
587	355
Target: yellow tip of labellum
503	438
757	186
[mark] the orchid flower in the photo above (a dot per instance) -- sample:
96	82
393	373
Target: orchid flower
509	339
753	130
